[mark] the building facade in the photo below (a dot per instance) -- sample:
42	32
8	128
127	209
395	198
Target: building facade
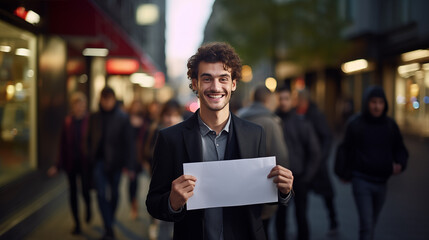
392	37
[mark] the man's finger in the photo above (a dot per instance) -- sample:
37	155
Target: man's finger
188	189
184	178
279	170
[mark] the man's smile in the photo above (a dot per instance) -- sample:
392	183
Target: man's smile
215	95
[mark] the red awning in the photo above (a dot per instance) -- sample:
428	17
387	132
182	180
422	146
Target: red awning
83	24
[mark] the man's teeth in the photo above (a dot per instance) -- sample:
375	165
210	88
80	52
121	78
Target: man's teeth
215	96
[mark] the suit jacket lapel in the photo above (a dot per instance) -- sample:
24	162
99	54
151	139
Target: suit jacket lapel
192	139
240	137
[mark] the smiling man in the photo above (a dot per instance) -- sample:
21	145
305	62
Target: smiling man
213	133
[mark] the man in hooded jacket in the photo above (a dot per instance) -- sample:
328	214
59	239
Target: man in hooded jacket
375	150
111	148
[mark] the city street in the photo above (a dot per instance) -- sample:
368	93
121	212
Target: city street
87	85
405	214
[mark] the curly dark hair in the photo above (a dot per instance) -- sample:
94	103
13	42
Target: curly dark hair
212	53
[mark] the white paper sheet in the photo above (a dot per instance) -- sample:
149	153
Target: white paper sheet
231	182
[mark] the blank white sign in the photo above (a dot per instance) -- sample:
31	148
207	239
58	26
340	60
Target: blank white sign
231	182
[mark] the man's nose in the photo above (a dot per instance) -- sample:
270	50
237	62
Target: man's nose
215	86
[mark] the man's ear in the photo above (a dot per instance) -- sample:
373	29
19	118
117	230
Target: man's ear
194	84
234	85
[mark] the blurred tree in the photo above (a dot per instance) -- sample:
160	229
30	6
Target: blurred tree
307	32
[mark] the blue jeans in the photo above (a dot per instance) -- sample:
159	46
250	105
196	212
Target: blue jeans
369	198
107	185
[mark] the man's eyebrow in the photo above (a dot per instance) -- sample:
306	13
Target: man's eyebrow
205	75
209	75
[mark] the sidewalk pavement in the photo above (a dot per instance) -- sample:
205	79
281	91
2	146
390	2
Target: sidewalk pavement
59	224
405	214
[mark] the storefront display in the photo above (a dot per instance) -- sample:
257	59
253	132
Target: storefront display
412	98
17	102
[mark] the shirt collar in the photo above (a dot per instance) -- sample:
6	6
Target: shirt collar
204	129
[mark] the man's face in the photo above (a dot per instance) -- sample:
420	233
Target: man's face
171	118
107	103
78	109
214	86
285	101
376	106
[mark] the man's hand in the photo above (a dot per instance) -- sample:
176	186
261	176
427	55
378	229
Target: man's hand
397	168
283	178
52	171
130	173
181	190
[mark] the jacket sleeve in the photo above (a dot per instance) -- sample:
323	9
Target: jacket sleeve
314	152
157	201
131	156
323	132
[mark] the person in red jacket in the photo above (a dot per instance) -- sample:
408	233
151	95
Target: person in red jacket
73	158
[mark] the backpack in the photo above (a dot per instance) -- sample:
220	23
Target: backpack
343	166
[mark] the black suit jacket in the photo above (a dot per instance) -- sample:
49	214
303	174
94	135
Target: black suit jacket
118	147
181	144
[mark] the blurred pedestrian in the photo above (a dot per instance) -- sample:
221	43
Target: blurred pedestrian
140	125
211	134
262	113
305	158
322	184
153	110
111	148
171	114
372	150
73	157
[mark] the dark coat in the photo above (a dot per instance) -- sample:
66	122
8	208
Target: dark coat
304	148
322	129
374	144
69	153
111	136
181	144
322	183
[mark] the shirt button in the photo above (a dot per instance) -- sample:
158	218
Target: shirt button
217	145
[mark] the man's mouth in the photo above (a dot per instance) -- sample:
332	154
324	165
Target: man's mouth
215	96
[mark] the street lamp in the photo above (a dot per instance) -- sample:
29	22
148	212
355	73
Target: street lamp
147	14
271	84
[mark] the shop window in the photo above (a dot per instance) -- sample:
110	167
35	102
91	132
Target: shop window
412	98
17	102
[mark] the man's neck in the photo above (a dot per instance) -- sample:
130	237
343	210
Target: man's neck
216	120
